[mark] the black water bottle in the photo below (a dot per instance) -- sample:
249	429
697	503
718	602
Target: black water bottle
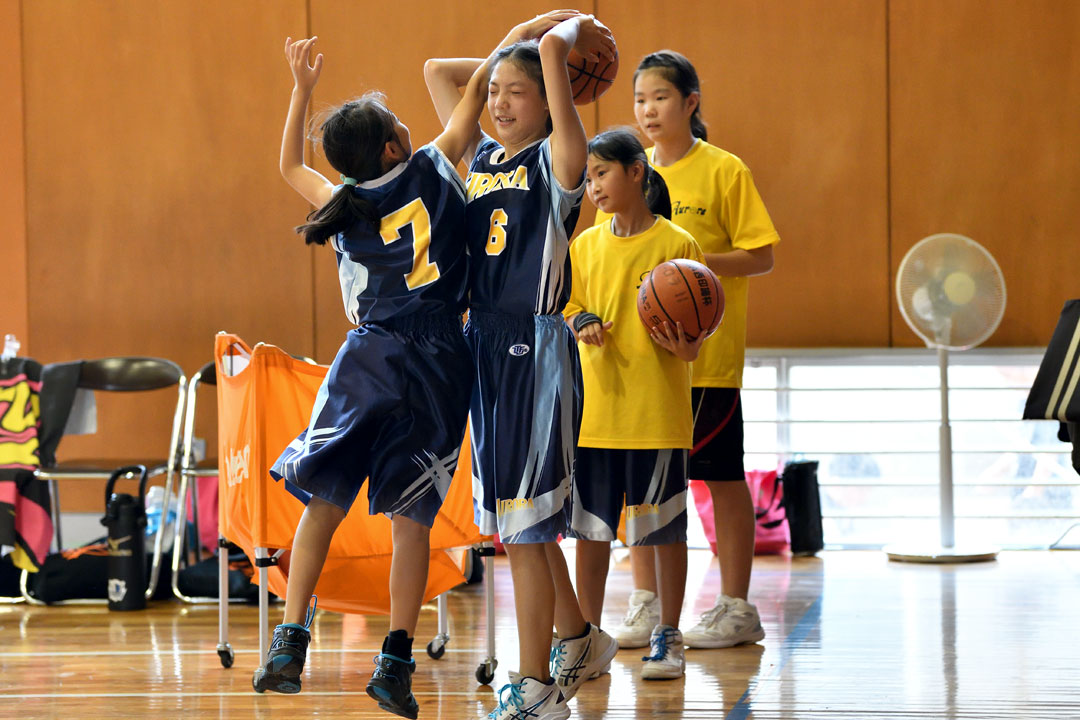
125	519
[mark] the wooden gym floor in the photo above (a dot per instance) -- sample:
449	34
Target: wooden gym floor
849	635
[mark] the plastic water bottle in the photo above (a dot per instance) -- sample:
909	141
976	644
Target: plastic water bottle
155	501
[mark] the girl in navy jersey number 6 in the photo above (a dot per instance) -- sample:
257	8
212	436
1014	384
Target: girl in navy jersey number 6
523	195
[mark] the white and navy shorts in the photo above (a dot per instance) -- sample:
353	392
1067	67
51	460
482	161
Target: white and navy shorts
651	483
392	409
524	417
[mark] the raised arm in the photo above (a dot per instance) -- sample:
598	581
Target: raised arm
311	184
462	129
445	77
568	140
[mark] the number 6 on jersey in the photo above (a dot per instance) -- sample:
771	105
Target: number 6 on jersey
497	232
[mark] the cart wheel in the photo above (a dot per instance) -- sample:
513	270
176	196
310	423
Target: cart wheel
485	672
226	655
436	648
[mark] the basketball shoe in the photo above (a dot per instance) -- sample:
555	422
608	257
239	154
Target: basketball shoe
641	618
668	659
526	698
286	656
575	660
391	685
732	621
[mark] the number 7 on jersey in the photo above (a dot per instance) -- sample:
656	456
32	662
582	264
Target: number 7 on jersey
424	272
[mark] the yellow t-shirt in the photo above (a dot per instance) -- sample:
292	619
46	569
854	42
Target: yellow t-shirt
637	394
713	197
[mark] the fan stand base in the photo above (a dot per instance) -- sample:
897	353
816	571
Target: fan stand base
940	555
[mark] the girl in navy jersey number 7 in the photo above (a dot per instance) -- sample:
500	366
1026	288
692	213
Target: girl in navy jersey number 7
393	406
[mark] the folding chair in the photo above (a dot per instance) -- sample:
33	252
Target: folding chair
126	375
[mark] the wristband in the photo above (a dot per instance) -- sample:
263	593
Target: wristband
586	318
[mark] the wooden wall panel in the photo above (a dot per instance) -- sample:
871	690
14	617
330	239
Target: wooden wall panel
796	88
155	212
985	109
14	304
364	50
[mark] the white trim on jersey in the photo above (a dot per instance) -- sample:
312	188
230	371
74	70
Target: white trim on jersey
556	240
385	177
446	168
353	278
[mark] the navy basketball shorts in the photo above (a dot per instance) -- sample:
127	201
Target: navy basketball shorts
524	417
717	454
392	409
652	483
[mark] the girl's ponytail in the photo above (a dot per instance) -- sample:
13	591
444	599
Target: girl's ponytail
697	125
656	193
353	137
345	209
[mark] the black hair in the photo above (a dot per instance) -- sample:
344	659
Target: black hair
353	137
622	146
526	56
679	71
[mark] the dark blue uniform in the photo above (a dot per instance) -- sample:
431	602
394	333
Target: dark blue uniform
526	405
394	403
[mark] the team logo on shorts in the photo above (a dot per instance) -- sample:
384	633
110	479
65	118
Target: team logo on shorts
519	350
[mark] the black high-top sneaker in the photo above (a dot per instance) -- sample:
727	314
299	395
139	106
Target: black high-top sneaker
391	685
285	658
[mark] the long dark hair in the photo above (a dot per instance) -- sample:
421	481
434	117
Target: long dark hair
353	137
526	56
680	72
622	146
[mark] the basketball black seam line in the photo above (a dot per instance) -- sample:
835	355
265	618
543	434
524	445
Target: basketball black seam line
716	291
590	82
656	297
697	314
582	71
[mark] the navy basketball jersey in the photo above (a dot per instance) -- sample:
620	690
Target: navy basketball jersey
518	221
416	261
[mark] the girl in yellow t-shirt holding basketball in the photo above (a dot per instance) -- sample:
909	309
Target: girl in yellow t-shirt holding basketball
636	423
713	197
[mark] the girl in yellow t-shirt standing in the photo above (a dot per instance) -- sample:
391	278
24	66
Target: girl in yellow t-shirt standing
714	198
637	424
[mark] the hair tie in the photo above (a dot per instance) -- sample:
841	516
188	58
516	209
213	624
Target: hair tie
348	180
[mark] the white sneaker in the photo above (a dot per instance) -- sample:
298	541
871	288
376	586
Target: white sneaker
576	660
641	618
733	621
668	659
528	698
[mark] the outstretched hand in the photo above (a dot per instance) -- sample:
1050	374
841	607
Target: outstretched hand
305	73
594	40
676	342
532	29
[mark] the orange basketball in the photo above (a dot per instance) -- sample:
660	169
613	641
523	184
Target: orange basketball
589	80
682	291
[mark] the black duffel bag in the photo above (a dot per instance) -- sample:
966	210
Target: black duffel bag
802	505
